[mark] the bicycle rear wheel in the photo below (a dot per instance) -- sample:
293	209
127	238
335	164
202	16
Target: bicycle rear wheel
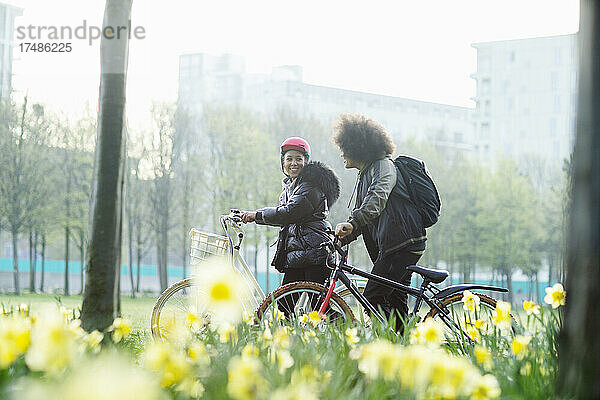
176	304
472	323
298	298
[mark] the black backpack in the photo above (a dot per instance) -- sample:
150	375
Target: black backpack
421	188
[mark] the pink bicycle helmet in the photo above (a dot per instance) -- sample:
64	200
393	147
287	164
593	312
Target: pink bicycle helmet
296	143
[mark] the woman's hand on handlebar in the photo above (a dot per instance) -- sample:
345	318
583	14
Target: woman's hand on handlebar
248	216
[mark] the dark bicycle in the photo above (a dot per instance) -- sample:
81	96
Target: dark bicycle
450	304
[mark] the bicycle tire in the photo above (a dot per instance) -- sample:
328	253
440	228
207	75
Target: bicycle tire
313	290
448	303
169	293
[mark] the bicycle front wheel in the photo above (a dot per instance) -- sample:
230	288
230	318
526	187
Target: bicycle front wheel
299	298
172	307
471	323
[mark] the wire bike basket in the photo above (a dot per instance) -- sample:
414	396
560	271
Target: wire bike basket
205	245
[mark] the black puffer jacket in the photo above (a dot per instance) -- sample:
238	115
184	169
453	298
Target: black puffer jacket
303	208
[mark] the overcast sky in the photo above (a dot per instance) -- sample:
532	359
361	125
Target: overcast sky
414	49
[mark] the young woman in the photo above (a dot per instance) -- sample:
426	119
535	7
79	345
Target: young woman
309	190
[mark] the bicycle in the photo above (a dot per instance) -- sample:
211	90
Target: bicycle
299	298
185	296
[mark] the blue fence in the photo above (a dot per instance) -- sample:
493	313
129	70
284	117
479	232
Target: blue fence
174	272
520	288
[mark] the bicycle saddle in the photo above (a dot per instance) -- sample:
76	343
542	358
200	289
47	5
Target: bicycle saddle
434	275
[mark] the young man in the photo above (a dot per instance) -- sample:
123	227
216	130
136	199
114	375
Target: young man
391	226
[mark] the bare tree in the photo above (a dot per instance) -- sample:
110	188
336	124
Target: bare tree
100	298
579	351
162	158
21	185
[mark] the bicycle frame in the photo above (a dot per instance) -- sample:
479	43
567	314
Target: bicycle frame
237	261
338	273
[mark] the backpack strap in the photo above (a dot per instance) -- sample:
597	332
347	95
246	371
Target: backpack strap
407	181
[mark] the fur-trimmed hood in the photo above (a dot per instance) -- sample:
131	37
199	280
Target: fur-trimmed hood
319	174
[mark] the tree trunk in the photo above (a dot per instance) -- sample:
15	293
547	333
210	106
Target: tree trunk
138	261
31	263
43	272
509	285
255	252
15	234
82	262
130	256
103	255
579	347
67	233
268	263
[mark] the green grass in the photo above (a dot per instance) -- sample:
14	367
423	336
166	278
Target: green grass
137	310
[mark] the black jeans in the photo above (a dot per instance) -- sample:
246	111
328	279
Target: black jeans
311	274
393	266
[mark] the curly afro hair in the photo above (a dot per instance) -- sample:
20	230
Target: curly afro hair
362	139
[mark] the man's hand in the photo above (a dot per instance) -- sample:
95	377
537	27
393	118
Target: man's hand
248	216
343	229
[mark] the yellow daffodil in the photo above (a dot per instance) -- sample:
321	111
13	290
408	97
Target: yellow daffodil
192	387
92	341
170	363
479	324
473	333
245	380
222	292
485	388
451	377
281	337
198	354
267	336
379	358
483	357
555	295
501	315
470	301
15	338
282	358
53	344
519	345
352	336
108	377
428	332
309	335
227	333
299	391
250	351
530	307
303	319
120	328
315	318
248	318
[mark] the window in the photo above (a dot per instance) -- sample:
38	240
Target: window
510	105
486	85
511	57
458	137
2	24
557	53
485	131
557	104
552	130
554	80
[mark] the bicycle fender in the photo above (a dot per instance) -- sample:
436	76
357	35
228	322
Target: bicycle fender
467	286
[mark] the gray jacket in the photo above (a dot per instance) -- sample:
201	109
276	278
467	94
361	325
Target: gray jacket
383	212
